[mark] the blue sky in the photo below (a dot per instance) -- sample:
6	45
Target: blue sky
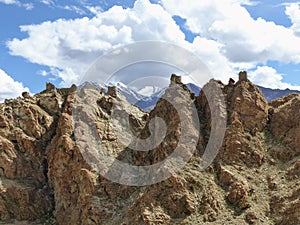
51	40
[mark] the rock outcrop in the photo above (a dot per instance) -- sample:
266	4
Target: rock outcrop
52	173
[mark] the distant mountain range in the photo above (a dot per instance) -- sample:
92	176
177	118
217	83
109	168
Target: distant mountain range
271	94
147	97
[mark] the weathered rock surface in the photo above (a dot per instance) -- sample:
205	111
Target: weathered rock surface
284	126
25	132
46	150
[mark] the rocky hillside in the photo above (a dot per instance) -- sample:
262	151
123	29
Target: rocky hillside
45	178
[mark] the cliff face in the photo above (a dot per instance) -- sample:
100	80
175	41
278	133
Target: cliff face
46	179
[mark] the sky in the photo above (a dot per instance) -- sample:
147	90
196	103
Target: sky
57	41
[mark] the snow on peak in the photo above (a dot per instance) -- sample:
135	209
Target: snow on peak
148	90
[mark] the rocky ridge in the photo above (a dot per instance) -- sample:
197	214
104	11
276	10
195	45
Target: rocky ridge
45	178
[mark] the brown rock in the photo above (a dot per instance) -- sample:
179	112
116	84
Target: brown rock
51	102
231	82
49	86
236	187
45	176
251	218
112	91
175	79
238	195
26	94
23	185
243	76
210	205
3	122
249	102
293	172
284	125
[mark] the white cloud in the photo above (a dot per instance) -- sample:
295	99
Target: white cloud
74	9
70	46
243	38
43	73
9	88
47	2
292	10
209	51
9	2
27	6
82	7
228	40
95	9
247	2
270	78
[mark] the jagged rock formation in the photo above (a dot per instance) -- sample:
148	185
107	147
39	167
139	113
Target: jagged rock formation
46	179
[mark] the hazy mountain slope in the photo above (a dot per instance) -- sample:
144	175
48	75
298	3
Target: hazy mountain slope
272	94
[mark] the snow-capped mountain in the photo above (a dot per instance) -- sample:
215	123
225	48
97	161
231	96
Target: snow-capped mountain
148	90
147	103
131	95
90	84
147	97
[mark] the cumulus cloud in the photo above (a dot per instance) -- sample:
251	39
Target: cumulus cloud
292	10
95	9
243	38
227	37
68	47
268	77
209	51
10	88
